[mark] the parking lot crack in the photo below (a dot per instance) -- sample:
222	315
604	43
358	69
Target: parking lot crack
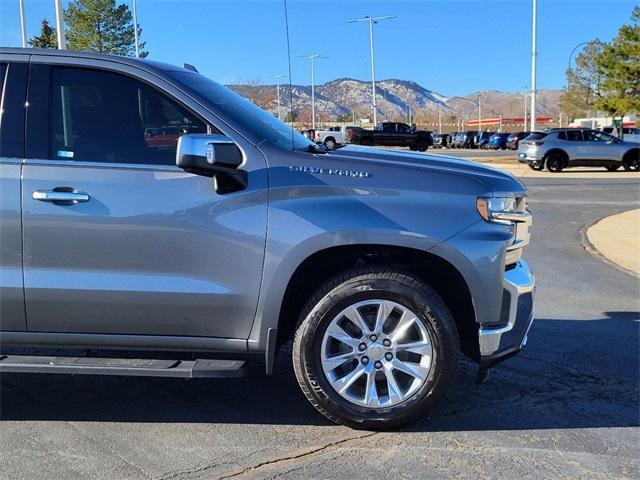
295	456
101	446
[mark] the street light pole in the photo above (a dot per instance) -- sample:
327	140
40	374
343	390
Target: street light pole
278	76
312	59
372	20
62	44
534	54
524	94
135	27
23	25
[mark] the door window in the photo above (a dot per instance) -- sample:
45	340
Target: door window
593	136
574	135
98	116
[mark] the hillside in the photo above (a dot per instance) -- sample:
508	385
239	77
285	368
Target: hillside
350	97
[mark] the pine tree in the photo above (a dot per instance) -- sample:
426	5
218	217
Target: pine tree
101	26
619	65
583	82
48	37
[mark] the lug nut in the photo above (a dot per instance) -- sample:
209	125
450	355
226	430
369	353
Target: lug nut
378	364
386	342
373	337
362	347
388	356
364	360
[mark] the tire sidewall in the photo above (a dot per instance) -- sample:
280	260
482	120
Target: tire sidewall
555	162
444	343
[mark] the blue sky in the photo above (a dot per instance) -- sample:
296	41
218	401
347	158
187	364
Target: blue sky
452	47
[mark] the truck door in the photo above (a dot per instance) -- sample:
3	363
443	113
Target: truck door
117	239
13	85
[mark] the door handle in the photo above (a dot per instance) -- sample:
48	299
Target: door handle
67	195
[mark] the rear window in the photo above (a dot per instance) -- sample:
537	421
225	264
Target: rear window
537	135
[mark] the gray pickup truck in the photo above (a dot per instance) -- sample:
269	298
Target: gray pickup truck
155	223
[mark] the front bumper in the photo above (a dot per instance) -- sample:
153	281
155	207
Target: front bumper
499	342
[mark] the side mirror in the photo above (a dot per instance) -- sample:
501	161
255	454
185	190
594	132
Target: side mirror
212	156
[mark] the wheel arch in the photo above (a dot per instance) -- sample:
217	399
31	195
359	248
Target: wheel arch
556	150
440	274
629	153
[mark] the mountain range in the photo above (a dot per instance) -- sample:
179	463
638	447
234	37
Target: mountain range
347	97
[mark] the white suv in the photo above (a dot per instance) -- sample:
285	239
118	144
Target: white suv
571	147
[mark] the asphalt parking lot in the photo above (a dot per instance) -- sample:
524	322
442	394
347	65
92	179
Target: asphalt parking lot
566	407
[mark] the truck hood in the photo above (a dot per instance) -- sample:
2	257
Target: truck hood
494	180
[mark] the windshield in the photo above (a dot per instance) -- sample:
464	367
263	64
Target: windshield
260	123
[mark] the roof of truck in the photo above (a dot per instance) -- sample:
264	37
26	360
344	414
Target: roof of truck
51	52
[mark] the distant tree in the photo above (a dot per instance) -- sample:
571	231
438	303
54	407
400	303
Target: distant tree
619	66
291	116
345	117
101	26
583	82
48	37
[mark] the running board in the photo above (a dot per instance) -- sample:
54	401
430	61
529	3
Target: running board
205	368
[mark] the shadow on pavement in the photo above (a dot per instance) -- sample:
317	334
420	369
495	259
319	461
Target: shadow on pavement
573	374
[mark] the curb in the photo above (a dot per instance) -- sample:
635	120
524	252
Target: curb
591	248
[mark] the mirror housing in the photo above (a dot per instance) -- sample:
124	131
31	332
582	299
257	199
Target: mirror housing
212	156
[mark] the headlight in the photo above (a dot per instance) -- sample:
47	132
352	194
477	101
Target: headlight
499	209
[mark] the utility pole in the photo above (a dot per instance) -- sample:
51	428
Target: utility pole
278	76
62	44
23	24
312	59
372	20
479	113
439	120
135	27
534	54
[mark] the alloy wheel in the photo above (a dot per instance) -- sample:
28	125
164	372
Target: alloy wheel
376	353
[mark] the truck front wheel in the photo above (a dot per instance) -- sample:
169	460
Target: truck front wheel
375	348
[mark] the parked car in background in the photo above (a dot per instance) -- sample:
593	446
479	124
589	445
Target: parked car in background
563	148
458	142
440	140
482	139
514	138
350	132
395	134
498	141
450	139
469	138
629	134
334	136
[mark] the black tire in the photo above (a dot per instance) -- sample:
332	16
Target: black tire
413	147
422	146
330	143
631	160
375	283
612	168
555	162
366	142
